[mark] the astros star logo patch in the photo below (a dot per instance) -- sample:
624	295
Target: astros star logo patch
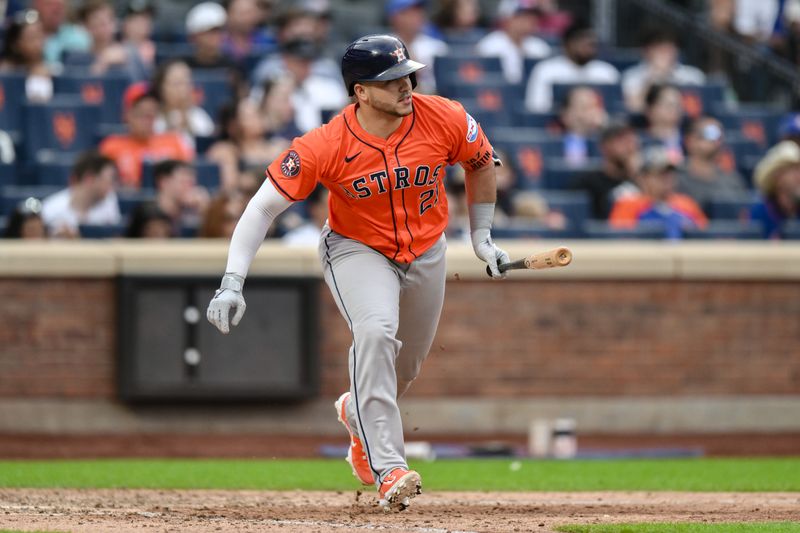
399	54
290	166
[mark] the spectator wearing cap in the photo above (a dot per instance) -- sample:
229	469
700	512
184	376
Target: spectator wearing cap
657	200
578	64
205	23
701	177
25	222
23	51
516	38
619	147
583	116
60	36
141	143
408	20
316	92
137	31
90	198
660	65
777	177
243	35
174	88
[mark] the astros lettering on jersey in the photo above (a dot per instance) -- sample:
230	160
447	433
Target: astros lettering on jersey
387	193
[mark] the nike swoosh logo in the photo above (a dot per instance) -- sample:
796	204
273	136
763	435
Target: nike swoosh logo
348	159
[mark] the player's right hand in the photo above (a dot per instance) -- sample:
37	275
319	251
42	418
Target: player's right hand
227	298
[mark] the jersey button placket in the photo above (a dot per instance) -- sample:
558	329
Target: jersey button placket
400	215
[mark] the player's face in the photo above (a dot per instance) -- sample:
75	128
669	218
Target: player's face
391	97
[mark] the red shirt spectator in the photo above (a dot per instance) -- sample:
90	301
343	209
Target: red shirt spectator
141	143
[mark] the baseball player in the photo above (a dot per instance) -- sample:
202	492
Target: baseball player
383	160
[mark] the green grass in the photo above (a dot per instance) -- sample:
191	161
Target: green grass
762	527
747	475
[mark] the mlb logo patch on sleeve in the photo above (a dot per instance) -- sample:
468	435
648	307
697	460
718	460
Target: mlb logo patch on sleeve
290	166
472	129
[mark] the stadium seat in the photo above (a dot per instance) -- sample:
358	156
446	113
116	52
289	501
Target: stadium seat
610	93
101	232
65	123
703	99
621	58
574	205
12	195
172	50
526	149
559	174
526	229
528	65
491	95
54	168
731	208
791	230
528	119
105	91
468	69
488	119
8	174
462	39
212	90
728	229
12	98
600	229
759	125
75	59
740	154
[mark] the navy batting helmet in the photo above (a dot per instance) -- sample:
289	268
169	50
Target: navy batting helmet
377	58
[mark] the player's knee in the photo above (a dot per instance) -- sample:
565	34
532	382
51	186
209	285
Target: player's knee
375	332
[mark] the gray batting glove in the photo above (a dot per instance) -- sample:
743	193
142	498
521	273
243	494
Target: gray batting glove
486	250
480	222
228	297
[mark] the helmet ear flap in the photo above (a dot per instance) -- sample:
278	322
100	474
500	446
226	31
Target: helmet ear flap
413	78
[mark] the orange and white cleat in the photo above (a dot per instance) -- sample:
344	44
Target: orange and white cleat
398	488
356	456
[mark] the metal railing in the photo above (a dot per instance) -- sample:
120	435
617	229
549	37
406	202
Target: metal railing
756	74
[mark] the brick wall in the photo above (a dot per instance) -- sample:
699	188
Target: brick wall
510	339
590	338
57	338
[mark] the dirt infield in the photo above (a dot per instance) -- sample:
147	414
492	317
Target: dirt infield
122	511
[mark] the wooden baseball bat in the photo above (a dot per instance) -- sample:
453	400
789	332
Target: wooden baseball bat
559	257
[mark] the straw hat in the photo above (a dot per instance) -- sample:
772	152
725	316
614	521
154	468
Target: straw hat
780	156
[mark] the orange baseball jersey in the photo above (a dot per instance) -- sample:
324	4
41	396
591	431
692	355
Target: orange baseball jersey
386	193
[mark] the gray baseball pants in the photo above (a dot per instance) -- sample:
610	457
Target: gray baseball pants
392	310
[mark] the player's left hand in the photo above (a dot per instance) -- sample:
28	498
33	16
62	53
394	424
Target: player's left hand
487	251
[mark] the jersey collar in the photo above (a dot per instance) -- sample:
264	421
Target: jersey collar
396	136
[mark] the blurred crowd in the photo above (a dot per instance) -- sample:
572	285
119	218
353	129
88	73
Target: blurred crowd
164	135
